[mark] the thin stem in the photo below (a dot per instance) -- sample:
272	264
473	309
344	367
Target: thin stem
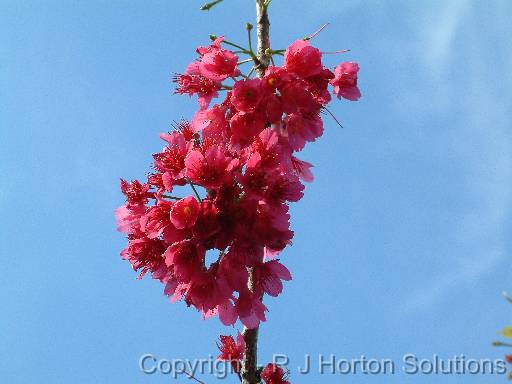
195	191
171	197
192	377
236	46
250	73
249	38
336	52
334	117
316	32
244	61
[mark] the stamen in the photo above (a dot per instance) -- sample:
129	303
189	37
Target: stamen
336	52
332	115
317	32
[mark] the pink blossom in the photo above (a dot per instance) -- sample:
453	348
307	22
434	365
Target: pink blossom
303	59
171	161
296	97
185	258
302	169
127	217
268	277
276	77
217	63
345	81
210	170
244	127
184	212
135	192
247	94
300	129
206	291
272	107
318	84
250	309
231	349
156	219
273	374
207	222
213	118
284	187
193	82
146	255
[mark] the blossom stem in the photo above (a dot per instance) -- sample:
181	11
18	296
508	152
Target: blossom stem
171	197
244	61
336	52
195	191
242	49
332	115
249	37
250	73
316	32
192	377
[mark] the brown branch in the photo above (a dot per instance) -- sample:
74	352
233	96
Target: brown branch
263	30
250	360
249	372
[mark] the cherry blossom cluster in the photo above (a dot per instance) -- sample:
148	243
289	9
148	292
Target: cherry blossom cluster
238	157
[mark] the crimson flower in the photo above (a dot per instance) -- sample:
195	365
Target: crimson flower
274	374
345	81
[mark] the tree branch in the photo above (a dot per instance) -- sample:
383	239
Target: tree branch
263	30
249	372
250	360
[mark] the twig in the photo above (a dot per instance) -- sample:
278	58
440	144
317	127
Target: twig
332	115
192	377
195	190
171	197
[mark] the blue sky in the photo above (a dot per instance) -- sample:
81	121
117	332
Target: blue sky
400	244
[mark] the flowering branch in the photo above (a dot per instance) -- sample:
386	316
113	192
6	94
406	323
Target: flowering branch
242	152
261	61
